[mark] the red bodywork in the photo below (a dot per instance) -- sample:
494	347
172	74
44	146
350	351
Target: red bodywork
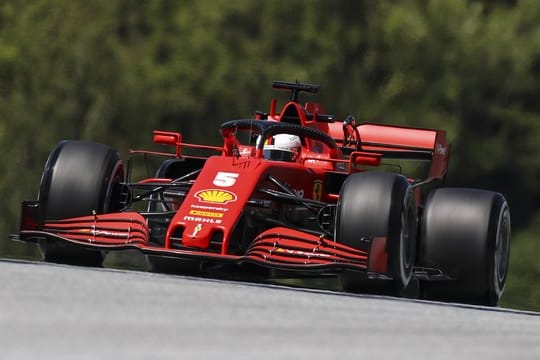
212	217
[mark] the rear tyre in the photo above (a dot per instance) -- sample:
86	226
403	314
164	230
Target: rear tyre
466	234
375	204
80	178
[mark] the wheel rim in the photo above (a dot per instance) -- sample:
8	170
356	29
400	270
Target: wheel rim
502	249
406	242
111	202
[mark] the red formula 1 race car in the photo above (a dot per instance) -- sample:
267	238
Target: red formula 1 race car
294	192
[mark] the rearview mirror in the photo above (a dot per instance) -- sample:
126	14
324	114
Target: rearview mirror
168	138
365	158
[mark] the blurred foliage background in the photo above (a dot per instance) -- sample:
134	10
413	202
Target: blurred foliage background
112	71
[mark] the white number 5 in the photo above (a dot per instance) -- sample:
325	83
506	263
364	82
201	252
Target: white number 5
225	179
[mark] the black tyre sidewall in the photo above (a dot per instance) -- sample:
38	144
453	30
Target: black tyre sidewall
79	179
405	249
371	204
459	235
499	250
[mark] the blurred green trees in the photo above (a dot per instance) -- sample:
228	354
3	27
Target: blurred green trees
113	71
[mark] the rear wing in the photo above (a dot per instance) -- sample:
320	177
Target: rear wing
397	142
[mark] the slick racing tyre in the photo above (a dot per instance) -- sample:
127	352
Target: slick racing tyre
373	204
465	233
80	178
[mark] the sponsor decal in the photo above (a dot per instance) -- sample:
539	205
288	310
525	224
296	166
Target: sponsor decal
106	233
317	190
439	149
296	192
196	230
307	254
215	196
202	220
211	208
225	179
299	193
210	214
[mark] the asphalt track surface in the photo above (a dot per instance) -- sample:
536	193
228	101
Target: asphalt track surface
65	312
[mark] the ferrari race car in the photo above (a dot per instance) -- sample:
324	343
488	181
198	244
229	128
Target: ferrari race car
296	192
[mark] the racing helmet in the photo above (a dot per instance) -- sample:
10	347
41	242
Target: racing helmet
285	147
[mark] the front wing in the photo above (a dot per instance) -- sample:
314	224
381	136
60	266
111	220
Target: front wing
279	247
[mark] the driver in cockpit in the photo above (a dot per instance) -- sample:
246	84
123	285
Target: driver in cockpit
284	147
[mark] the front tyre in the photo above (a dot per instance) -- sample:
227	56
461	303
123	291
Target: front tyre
373	204
466	234
80	178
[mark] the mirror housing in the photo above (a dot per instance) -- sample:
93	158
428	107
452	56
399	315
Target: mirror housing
365	158
168	138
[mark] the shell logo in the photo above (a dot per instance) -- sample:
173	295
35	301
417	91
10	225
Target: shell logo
215	196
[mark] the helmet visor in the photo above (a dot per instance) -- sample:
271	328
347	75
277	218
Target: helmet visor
278	155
